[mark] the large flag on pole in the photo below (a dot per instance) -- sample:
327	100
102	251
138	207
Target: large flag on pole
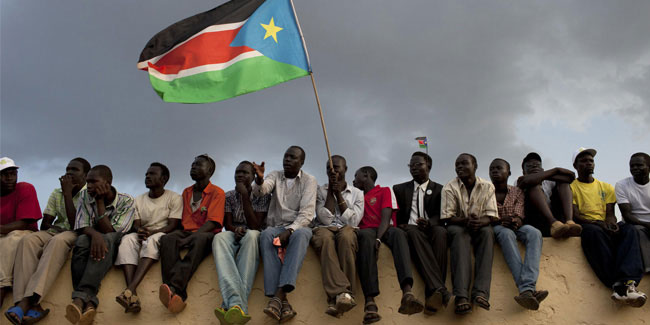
237	48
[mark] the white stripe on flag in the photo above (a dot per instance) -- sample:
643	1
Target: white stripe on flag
203	68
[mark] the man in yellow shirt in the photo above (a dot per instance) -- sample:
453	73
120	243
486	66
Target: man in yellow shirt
612	249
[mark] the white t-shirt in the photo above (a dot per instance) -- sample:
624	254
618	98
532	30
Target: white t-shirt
153	213
638	196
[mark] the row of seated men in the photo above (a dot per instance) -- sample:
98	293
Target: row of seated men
278	215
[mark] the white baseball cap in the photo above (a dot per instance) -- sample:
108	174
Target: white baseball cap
6	162
581	150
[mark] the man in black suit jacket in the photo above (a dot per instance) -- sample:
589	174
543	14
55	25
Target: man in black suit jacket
419	216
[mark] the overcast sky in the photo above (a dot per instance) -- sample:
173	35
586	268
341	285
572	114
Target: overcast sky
492	78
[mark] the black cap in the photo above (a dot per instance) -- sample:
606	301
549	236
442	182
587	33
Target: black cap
531	156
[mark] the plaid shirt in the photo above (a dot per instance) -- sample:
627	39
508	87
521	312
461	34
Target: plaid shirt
513	204
235	206
120	212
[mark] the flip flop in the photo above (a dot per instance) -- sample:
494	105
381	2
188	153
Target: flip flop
35	316
235	315
482	302
370	316
72	313
165	294
176	304
88	316
462	308
221	315
433	303
18	312
410	305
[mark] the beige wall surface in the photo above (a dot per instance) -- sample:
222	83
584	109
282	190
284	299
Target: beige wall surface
576	296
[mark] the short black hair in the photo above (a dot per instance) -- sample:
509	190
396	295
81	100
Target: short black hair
370	171
84	164
426	157
643	155
505	161
302	152
103	171
205	156
340	157
163	168
470	156
247	163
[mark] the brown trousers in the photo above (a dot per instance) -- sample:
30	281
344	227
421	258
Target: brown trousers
337	249
39	258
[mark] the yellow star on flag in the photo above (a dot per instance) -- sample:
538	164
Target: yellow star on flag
271	30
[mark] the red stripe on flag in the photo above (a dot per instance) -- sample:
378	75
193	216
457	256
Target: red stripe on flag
207	48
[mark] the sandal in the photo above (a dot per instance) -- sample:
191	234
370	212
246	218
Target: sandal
287	312
18	312
134	305
462	308
410	305
273	308
221	315
371	316
165	294
35	316
482	302
176	304
332	311
235	315
88	315
72	313
123	299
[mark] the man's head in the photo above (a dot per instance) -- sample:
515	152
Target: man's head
244	173
420	166
8	175
583	161
466	166
293	160
202	168
157	176
98	176
532	164
640	166
499	171
365	176
340	167
78	169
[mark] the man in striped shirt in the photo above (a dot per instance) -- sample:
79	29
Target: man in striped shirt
103	216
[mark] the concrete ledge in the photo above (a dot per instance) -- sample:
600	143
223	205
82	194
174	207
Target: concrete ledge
576	296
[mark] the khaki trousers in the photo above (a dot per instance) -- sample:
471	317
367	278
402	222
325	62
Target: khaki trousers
8	246
337	249
39	258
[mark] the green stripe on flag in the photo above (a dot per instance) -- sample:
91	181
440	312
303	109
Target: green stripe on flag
240	78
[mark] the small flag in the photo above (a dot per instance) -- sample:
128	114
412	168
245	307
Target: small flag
422	142
239	47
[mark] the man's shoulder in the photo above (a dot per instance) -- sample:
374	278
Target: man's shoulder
625	183
308	177
231	194
25	188
402	186
434	186
124	197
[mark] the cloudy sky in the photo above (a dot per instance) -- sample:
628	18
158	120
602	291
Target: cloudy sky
493	78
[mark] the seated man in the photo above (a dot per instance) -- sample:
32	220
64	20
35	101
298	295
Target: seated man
468	207
548	192
339	208
633	197
41	255
157	213
284	243
419	217
103	217
236	248
375	228
203	207
510	228
19	211
612	249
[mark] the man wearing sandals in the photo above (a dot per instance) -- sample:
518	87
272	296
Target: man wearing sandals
510	228
284	243
339	208
612	249
236	249
468	208
157	213
41	255
548	193
419	217
103	216
203	209
19	211
374	229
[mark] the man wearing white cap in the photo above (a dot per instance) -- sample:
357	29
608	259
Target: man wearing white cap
612	249
19	211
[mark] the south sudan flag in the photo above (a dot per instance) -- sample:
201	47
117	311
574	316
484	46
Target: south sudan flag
237	48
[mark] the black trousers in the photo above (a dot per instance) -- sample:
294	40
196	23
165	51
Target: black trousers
429	253
395	239
615	258
177	272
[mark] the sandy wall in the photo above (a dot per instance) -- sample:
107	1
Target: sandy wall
576	296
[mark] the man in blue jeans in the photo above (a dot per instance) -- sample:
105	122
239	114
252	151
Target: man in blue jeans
236	249
509	228
284	243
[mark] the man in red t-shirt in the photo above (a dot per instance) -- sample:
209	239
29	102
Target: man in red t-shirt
374	229
19	211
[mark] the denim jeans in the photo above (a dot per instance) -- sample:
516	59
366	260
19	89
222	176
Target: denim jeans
525	273
278	274
87	274
237	264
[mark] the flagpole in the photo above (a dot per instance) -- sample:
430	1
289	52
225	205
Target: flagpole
313	83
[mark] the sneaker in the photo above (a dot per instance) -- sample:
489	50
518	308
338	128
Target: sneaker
632	297
527	300
344	302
